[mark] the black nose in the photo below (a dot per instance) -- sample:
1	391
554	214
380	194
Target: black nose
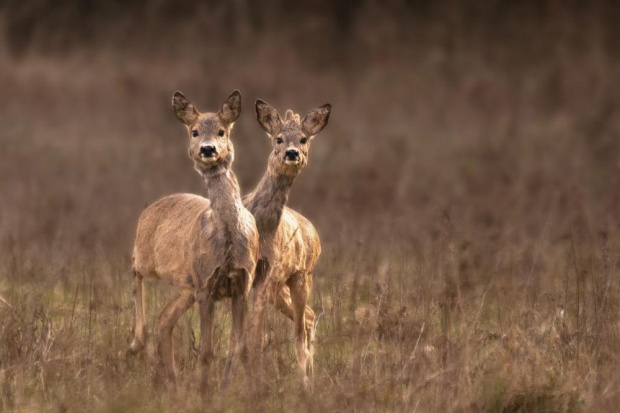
208	151
292	154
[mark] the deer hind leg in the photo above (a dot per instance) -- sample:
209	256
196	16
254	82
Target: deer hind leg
281	299
139	339
239	305
300	291
167	320
207	311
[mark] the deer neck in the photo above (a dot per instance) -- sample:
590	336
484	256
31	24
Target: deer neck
222	189
268	200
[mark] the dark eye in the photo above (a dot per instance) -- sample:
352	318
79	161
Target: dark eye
279	141
303	141
194	133
221	132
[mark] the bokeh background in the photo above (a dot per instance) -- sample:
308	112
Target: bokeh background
465	190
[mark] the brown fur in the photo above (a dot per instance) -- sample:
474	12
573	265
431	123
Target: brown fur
289	244
207	247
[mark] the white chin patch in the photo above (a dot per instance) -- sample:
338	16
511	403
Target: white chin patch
289	162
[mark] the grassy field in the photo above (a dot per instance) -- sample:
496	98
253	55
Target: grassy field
465	192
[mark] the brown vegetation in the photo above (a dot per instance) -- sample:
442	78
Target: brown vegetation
465	193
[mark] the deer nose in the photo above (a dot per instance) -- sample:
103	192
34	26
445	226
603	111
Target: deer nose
291	154
208	151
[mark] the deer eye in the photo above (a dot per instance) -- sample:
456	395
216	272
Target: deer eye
303	141
279	141
194	133
221	132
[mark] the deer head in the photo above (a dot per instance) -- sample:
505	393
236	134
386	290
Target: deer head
209	133
290	137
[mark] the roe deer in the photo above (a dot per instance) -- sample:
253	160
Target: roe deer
207	247
289	244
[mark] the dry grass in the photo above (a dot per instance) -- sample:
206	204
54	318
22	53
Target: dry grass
465	192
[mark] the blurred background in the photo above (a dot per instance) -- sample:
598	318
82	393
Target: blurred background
497	112
470	144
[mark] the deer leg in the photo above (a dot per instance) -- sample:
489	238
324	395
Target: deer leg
239	304
139	339
167	320
206	306
310	329
299	297
256	339
281	299
309	316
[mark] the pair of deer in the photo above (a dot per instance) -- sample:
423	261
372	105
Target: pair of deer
222	245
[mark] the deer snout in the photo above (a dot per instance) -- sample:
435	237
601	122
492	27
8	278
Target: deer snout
208	151
291	155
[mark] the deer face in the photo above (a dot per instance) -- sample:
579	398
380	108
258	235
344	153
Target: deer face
209	133
290	137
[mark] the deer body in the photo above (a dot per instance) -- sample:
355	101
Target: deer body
184	238
289	243
207	247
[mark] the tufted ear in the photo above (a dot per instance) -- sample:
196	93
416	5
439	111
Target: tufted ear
316	120
184	109
231	108
267	117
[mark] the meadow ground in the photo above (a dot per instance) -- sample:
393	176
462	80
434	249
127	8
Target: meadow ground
465	192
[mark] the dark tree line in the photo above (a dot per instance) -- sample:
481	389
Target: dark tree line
61	24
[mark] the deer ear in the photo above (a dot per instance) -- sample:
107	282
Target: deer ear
184	109
316	120
267	117
231	109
